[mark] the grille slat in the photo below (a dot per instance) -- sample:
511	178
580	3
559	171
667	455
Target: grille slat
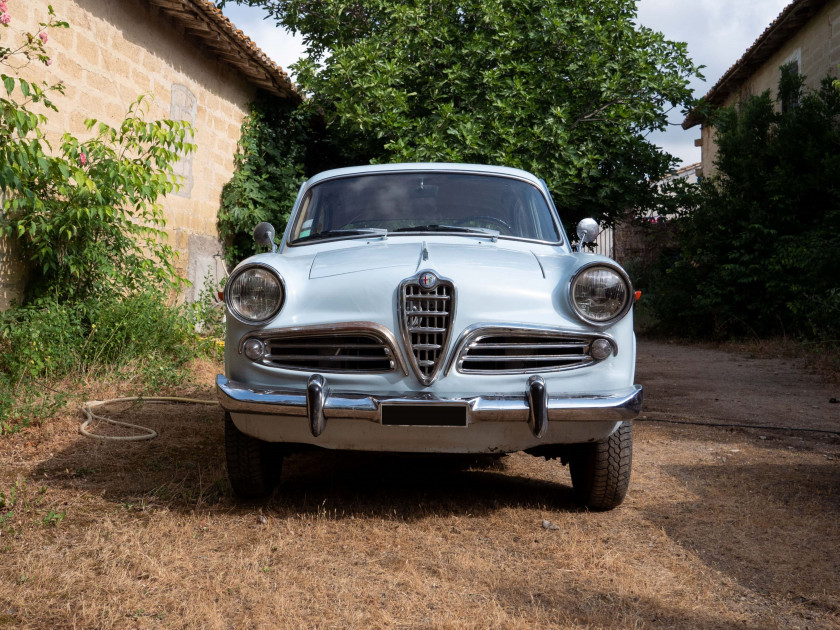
339	352
426	322
489	353
532	357
527	346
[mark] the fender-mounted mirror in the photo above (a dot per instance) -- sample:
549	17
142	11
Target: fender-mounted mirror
264	235
587	231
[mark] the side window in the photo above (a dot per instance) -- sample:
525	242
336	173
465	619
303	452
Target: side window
183	107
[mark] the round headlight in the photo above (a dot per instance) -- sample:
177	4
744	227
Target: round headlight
255	294
600	294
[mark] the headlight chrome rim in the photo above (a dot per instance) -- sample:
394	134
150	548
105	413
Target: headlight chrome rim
235	275
624	309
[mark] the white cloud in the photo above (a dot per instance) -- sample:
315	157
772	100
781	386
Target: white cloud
717	32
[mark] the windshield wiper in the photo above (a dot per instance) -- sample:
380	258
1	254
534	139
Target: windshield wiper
494	234
381	232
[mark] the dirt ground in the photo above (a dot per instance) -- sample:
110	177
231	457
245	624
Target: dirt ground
722	528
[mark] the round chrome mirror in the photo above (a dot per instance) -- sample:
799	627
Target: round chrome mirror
587	231
264	235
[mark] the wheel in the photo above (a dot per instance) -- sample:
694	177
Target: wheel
253	465
486	218
601	470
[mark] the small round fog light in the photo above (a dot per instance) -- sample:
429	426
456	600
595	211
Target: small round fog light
600	349
254	349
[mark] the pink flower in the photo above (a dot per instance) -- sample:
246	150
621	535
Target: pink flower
5	18
82	158
48	62
43	36
3	7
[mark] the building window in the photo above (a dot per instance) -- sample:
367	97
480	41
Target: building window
790	85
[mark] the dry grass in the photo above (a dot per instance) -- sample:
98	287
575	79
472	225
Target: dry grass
720	530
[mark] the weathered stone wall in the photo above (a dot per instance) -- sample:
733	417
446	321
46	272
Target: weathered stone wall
114	51
816	49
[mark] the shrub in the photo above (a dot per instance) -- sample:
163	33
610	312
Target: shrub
269	169
758	255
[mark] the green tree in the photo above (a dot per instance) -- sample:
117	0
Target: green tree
758	254
566	90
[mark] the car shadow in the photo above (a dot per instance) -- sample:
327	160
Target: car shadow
183	469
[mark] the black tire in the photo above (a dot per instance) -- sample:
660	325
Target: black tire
601	470
253	465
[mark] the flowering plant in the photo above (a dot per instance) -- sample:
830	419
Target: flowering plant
87	216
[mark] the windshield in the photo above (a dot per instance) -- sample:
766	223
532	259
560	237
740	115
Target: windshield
405	203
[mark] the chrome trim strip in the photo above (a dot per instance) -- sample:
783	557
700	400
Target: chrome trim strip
616	406
385	336
473	333
624	310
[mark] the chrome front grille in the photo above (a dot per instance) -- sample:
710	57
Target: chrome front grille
426	320
356	347
509	350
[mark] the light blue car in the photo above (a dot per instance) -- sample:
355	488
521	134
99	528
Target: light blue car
435	308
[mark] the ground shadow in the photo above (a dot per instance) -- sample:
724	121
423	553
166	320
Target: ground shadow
184	469
772	527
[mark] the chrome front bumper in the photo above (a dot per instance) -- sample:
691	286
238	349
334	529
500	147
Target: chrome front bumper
534	405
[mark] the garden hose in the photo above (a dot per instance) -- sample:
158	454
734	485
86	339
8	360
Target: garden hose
149	433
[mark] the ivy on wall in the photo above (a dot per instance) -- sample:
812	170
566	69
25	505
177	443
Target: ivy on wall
269	167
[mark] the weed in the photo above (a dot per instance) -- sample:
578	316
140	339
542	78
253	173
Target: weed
52	517
19	505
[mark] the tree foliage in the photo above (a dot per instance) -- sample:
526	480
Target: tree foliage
758	255
566	90
269	167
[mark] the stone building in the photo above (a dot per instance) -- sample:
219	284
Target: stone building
806	33
194	64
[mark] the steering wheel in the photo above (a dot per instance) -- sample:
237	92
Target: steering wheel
487	219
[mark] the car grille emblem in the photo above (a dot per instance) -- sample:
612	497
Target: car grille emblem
427	305
428	280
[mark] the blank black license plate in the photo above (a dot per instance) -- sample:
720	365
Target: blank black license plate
425	415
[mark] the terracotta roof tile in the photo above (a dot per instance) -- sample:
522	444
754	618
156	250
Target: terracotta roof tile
205	23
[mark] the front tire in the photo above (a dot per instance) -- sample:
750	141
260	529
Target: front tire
253	465
601	470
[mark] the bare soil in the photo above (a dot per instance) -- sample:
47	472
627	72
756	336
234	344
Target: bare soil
723	527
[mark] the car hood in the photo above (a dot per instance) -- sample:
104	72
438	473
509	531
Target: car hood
444	258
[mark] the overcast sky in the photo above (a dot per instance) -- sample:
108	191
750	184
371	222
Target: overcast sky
717	32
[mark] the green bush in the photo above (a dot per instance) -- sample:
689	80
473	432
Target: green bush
269	169
758	256
48	340
88	222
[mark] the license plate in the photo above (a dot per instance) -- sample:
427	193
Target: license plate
424	415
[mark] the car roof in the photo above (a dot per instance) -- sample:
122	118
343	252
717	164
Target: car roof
439	167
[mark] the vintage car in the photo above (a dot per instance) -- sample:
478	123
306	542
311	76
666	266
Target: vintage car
435	308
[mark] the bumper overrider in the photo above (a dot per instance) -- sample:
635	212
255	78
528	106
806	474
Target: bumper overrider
534	406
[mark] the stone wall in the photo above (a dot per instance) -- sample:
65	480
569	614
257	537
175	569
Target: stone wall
114	51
